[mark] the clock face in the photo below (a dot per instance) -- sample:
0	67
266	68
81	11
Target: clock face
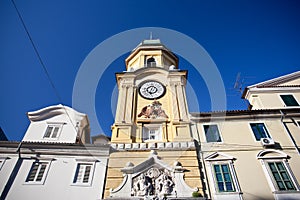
152	90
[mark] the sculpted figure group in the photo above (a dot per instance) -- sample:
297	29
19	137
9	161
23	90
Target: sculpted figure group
155	183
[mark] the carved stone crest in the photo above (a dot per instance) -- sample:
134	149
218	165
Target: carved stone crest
152	179
154	182
153	111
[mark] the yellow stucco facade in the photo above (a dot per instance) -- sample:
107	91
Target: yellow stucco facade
152	114
118	160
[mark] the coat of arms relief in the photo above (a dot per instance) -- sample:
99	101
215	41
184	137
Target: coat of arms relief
152	179
154	182
153	111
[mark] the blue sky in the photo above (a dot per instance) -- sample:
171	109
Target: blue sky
259	39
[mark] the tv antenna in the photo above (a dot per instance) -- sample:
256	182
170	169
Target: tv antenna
238	85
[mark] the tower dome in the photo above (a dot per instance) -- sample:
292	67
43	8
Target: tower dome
151	53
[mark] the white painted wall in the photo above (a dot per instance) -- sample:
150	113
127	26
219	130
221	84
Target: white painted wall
59	181
271	100
6	169
73	125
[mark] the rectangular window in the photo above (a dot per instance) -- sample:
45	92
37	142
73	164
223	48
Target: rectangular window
259	131
37	172
281	176
83	173
151	132
52	131
223	178
212	133
289	100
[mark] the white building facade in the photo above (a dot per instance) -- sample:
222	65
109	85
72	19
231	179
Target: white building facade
54	160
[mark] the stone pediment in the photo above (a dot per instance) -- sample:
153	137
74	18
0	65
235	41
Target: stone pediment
153	179
218	156
151	162
271	154
287	81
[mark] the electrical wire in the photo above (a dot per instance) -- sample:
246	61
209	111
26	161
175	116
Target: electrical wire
41	61
37	52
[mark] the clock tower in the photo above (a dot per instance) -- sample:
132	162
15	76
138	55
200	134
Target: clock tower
153	154
152	104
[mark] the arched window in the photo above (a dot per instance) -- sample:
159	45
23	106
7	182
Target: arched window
151	62
279	174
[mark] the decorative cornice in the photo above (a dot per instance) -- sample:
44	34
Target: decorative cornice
272	89
43	148
150	162
279	86
151	146
278	80
271	154
148	120
245	114
217	156
51	111
273	82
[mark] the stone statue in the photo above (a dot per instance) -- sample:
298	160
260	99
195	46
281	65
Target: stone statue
143	187
155	183
164	185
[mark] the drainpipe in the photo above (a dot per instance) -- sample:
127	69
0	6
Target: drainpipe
288	131
202	162
19	149
205	172
13	174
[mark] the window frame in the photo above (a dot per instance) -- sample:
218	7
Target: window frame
284	103
150	62
271	172
53	125
146	132
272	155
216	182
44	175
265	127
76	173
221	158
271	179
220	135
